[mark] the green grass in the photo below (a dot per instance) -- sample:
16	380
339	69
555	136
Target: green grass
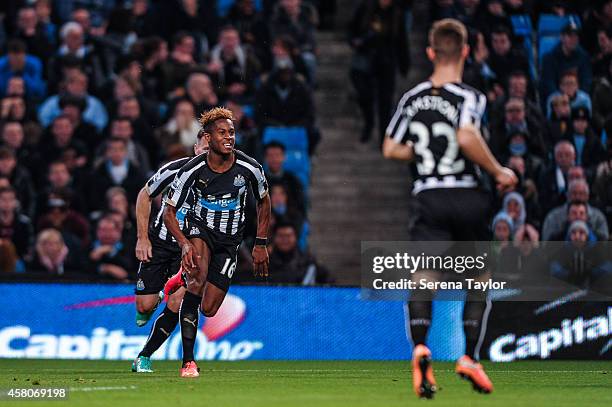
316	383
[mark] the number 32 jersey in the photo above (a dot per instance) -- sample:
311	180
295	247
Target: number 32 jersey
429	117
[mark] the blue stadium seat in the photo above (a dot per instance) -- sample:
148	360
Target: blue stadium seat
303	237
293	138
546	45
550	24
223	6
521	25
298	163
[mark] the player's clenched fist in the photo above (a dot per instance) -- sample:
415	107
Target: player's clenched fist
260	261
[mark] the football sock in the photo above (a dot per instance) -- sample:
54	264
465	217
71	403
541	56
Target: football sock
475	314
189	315
160	331
419	314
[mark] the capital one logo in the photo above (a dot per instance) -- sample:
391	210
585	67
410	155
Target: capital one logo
19	341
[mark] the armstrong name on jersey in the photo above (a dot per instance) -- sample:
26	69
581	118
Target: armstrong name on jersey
429	118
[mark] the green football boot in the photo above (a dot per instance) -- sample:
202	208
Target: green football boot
142	364
142	319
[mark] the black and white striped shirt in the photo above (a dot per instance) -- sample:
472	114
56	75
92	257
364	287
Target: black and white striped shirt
429	117
158	184
219	199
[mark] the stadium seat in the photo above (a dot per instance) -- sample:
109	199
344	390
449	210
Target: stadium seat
546	45
551	25
298	163
303	238
293	138
224	6
521	25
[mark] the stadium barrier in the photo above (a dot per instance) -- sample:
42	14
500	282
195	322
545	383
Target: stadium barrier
96	321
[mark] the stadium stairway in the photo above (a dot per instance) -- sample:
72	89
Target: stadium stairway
355	194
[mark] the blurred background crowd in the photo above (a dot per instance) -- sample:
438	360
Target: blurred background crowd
96	94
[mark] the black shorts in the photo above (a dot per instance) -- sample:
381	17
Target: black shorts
451	214
223	255
164	263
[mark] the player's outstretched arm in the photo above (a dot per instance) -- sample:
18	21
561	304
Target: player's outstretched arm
473	146
396	151
260	251
144	251
189	254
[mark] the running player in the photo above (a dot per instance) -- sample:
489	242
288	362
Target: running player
160	258
219	181
437	124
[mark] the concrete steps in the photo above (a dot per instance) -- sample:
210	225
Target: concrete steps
355	194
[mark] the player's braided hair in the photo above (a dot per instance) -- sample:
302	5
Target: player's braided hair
208	118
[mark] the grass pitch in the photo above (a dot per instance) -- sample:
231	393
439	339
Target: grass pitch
297	383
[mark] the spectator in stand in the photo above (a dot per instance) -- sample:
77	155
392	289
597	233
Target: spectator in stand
466	11
285	100
20	179
251	25
576	211
568	85
602	189
601	61
589	151
502	227
14	225
31	33
559	124
8	257
284	47
73	107
288	264
15	108
284	207
201	93
602	99
52	257
121	127
567	55
12	136
491	16
122	212
504	57
58	178
153	53
43	10
516	121
377	35
599	18
274	158
553	180
115	170
60	139
578	191
514	206
75	85
60	216
182	129
517	87
130	108
233	67
246	129
108	256
182	60
17	63
74	52
298	20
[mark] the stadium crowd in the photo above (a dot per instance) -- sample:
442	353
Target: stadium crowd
96	95
546	68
